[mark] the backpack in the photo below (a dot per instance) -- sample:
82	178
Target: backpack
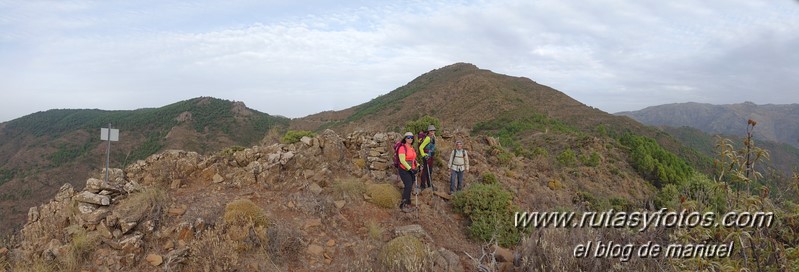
463	155
396	153
430	147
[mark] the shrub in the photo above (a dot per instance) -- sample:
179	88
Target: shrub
293	136
359	163
242	211
227	152
505	158
540	151
375	230
490	211
384	195
620	204
212	252
404	253
489	178
567	158
285	243
654	162
591	161
81	243
555	184
149	200
422	123
349	189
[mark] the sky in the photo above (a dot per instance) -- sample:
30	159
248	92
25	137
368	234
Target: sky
296	58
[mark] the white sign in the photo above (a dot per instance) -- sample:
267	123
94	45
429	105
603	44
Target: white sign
104	134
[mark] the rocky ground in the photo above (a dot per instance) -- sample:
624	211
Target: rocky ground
170	212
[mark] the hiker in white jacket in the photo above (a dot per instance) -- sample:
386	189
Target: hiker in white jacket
458	163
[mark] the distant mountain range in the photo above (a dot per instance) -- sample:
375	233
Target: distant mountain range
776	123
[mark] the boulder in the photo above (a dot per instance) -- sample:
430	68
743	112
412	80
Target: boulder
314	188
413	230
306	140
33	214
94	217
89	197
332	145
85	208
154	259
177	211
104	231
339	203
310	223
452	259
218	178
65	193
175	184
94	185
286	157
315	250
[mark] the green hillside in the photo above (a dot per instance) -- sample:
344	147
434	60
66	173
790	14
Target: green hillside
43	150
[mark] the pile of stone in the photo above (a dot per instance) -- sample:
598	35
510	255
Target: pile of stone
375	149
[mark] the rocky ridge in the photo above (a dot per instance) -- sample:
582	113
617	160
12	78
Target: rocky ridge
163	213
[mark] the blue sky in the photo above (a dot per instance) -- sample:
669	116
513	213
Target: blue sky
295	58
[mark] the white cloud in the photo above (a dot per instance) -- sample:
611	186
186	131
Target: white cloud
608	54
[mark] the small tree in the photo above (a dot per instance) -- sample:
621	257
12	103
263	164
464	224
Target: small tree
422	123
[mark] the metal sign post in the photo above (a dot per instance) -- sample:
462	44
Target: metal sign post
108	134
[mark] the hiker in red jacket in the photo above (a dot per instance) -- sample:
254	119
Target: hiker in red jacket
407	170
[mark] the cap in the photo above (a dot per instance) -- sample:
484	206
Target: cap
408	134
431	127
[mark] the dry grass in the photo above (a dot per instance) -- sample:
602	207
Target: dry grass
375	230
242	211
81	244
359	163
349	189
384	195
149	200
285	244
406	253
5	264
321	206
211	251
552	250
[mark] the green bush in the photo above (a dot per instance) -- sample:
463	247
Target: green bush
655	163
293	136
422	123
384	195
489	178
227	152
567	158
621	204
592	161
540	151
490	211
505	158
404	253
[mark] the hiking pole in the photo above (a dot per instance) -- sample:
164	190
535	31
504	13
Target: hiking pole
416	185
417	192
429	174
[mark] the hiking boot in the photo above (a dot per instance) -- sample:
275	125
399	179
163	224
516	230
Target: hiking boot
408	208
